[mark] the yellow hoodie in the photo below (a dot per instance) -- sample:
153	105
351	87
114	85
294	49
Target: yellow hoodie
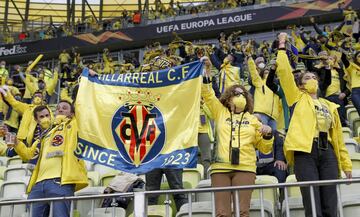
64	136
28	124
303	122
32	84
250	137
265	101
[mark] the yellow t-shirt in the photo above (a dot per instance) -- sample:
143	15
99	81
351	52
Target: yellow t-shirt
323	119
51	157
334	87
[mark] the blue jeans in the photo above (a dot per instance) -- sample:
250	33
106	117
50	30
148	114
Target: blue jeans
267	120
51	188
355	98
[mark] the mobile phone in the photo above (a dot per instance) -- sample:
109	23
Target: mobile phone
235	156
323	140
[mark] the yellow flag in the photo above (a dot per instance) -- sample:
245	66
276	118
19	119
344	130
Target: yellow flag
136	122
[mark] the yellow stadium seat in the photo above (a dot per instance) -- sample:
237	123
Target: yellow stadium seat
106	178
94	178
270	195
2	170
199	168
14	160
349	106
13	190
355	126
16	174
355	160
352	114
347	133
351	145
84	206
295	206
192	176
162	198
293	191
204	209
3	160
205	196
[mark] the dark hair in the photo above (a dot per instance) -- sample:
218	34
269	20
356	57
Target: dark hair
38	109
301	76
230	92
72	107
38	92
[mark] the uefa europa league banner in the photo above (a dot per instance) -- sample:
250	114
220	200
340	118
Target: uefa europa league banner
136	122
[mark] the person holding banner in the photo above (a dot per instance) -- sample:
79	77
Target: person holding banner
239	134
314	143
58	172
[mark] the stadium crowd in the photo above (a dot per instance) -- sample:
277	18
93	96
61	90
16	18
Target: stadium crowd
125	19
280	105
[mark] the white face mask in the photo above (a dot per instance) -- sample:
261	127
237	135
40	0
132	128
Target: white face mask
261	65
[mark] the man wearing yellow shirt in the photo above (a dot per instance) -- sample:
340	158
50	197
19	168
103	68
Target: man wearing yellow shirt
58	173
64	58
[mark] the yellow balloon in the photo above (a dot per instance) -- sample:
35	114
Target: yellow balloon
33	64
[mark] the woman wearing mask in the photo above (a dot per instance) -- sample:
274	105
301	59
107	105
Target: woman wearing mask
266	103
239	133
314	143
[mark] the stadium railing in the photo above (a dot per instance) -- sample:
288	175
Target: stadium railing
140	197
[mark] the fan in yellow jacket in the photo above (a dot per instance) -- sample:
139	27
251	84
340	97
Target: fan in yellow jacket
11	117
28	125
314	143
267	104
47	88
239	134
58	172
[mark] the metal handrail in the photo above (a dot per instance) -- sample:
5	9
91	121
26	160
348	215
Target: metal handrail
200	190
140	197
250	187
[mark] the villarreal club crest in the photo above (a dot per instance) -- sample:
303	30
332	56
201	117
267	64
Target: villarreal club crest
138	127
